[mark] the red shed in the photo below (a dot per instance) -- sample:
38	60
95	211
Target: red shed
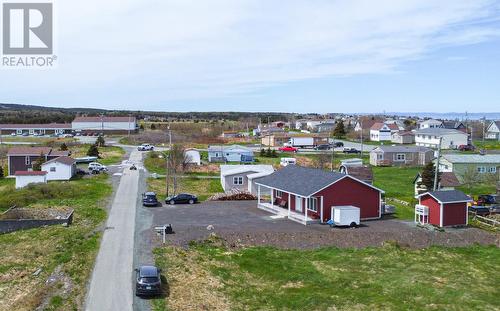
445	208
307	194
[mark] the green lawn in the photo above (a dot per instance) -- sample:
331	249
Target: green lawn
385	278
203	188
397	182
72	249
488	144
109	154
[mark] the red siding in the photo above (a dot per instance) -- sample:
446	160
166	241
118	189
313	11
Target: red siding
350	192
434	209
454	214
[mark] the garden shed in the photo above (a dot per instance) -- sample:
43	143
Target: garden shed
442	208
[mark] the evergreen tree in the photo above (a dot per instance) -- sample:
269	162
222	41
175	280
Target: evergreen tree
339	131
37	165
153	126
274	154
63	147
268	152
100	141
1	172
93	151
428	176
262	152
141	127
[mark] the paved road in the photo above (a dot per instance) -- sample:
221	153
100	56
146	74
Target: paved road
111	283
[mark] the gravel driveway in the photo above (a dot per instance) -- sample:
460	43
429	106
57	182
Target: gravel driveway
240	223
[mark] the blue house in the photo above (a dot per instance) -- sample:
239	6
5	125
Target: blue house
233	153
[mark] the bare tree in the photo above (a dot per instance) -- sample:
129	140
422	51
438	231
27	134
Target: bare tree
470	177
322	160
177	162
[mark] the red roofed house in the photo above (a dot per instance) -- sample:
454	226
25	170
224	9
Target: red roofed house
24	178
442	208
105	125
382	131
22	158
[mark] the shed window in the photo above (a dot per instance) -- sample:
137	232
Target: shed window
400	157
238	180
481	169
380	156
492	169
312	204
27	160
53	169
19	132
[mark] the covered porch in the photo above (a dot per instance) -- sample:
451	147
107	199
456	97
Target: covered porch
282	205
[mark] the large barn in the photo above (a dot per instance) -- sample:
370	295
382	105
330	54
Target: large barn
307	195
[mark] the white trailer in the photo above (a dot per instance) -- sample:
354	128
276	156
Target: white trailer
345	216
301	142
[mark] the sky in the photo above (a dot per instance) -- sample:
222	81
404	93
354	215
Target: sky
269	55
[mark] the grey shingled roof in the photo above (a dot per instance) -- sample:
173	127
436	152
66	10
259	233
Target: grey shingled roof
438	131
402	149
449	196
300	180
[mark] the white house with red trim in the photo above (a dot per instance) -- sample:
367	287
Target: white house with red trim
307	195
442	208
24	178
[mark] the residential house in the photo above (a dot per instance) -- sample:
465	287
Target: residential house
454	125
233	153
442	208
192	156
22	158
275	140
308	195
35	129
324	127
460	164
230	134
24	178
451	139
266	130
364	125
382	131
430	124
403	137
493	130
243	177
355	168
105	124
398	122
447	181
60	168
401	156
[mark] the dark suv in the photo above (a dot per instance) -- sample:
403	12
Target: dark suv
149	199
148	281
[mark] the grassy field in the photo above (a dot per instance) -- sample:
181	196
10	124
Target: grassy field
109	154
397	182
488	144
203	188
65	252
36	140
211	277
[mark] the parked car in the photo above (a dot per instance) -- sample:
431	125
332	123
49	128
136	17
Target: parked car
81	172
185	198
323	147
146	147
479	210
12	134
68	135
339	144
148	281
486	199
288	161
466	148
25	134
351	150
495	209
288	149
96	166
149	199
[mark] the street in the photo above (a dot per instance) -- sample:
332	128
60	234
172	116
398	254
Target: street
111	284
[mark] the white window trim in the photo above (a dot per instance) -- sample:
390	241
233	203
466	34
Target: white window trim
238	180
53	169
279	194
19	132
310	205
396	157
481	169
27	160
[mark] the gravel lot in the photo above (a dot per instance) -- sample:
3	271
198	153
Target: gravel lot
240	224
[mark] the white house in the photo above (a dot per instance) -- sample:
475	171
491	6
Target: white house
192	156
429	137
234	153
103	124
430	124
243	177
61	168
382	131
493	130
24	178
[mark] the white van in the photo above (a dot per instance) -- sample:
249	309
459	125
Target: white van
288	161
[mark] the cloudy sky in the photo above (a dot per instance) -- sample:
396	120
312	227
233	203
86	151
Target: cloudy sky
269	55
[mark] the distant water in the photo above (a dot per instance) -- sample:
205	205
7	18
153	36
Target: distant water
449	115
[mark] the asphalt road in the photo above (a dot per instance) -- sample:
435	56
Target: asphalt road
111	286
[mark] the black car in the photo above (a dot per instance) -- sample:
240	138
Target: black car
339	144
479	210
185	198
351	150
148	281
494	209
323	147
486	199
149	199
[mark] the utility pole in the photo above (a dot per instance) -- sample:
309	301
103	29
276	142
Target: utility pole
436	169
361	123
484	128
102	123
129	117
333	152
1	142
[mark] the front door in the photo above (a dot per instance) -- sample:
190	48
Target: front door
298	204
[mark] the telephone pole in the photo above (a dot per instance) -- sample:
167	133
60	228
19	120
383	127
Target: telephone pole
436	169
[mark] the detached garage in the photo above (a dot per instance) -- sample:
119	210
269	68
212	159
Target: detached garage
24	178
442	208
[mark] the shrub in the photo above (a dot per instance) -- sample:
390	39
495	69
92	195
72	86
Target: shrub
93	151
63	147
